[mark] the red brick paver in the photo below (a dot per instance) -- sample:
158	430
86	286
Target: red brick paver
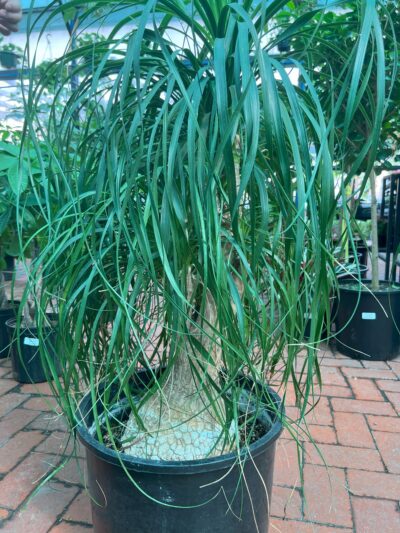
294	526
79	510
372	516
365	389
17	447
389	447
344	457
352	430
36	516
384	423
355	425
363	406
287	503
374	484
326	498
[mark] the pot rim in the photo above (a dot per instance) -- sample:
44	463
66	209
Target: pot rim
12	305
24	330
179	467
344	272
393	286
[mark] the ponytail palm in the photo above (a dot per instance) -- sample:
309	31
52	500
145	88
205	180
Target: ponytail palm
188	210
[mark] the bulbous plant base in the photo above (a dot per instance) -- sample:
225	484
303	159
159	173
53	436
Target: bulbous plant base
174	434
178	423
219	494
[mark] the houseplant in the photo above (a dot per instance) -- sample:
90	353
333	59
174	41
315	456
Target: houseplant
188	237
8	307
9	154
10	55
17	200
367	314
22	334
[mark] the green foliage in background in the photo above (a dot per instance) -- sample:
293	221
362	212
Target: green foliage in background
366	140
334	36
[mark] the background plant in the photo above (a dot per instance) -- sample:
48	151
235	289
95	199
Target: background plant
359	142
11	187
10	54
20	182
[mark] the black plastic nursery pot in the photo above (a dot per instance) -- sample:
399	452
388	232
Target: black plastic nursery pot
362	252
213	495
10	267
26	361
6	314
363	211
368	324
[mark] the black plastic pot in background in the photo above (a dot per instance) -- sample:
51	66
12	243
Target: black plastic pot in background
6	314
10	267
212	492
362	251
284	46
25	352
382	234
368	325
348	273
363	211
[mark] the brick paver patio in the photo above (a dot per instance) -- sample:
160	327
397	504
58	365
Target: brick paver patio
356	425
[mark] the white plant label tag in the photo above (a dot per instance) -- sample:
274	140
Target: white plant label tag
368	316
29	341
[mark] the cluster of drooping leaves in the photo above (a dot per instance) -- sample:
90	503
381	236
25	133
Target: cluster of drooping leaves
191	179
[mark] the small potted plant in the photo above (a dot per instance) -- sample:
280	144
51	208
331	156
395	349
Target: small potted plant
366	313
187	234
10	55
26	330
18	200
8	239
8	308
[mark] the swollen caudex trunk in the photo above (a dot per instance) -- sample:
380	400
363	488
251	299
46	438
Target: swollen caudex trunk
179	423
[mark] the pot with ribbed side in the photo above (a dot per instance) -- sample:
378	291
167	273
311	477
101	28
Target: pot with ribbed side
368	322
220	494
